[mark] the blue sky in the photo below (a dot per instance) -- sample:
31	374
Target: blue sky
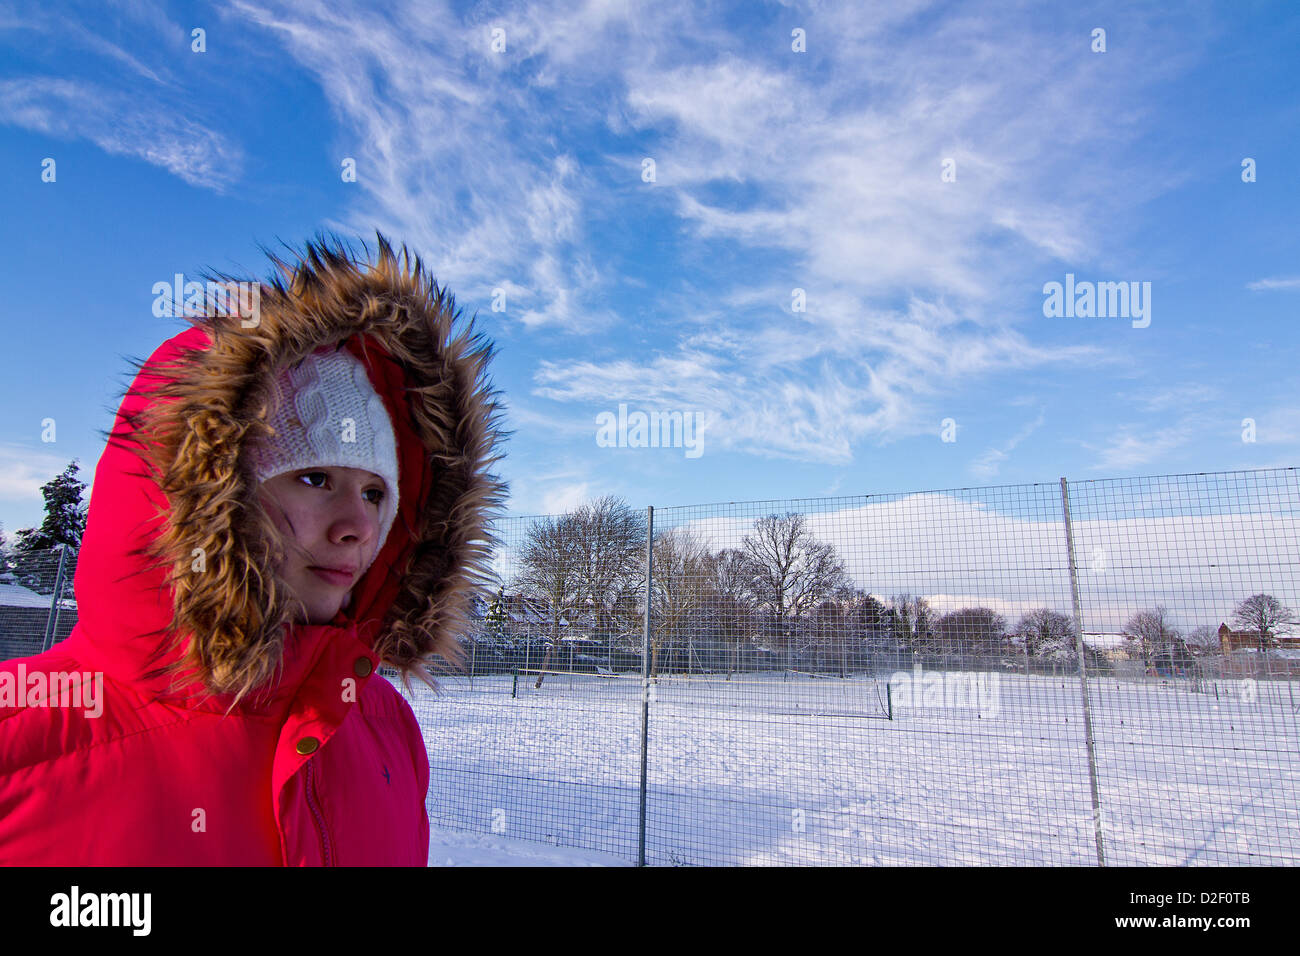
518	174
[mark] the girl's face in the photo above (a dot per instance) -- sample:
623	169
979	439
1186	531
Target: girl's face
330	520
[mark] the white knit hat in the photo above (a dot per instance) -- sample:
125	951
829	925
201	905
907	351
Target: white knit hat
325	398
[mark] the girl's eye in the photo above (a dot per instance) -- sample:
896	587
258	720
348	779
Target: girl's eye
324	477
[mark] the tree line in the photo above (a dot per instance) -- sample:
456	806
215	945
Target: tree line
782	590
784	593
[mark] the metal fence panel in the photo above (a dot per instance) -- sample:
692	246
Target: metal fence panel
881	679
892	679
37	606
1198	756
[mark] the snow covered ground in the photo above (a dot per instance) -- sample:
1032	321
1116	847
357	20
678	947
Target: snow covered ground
973	769
458	848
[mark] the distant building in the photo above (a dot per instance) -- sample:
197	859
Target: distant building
1230	640
1113	647
521	615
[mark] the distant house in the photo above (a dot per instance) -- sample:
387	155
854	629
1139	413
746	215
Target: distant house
522	615
1230	640
1113	647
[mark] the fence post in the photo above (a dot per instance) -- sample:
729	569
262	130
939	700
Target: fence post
645	677
52	620
1083	674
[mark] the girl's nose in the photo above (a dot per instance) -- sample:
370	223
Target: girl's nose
357	518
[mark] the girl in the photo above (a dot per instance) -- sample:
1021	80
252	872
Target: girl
288	500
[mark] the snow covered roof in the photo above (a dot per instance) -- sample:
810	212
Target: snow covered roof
1096	639
15	595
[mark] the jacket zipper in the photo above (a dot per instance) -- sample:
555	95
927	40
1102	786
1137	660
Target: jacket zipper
315	811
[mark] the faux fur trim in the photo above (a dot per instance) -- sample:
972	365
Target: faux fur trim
230	617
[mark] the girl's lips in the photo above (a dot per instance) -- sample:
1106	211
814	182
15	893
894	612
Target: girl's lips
336	578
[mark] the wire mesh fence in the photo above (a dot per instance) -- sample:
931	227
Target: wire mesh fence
1198	759
1066	673
37	605
950	677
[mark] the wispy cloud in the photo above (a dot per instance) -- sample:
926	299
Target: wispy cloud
120	124
1264	285
453	152
776	171
1132	446
847	189
1175	397
988	462
96	42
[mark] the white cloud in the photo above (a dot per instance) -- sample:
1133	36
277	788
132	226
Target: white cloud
119	124
915	286
452	151
565	498
1131	447
1177	397
1198	547
1261	285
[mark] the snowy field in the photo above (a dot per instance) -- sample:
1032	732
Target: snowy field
459	848
972	769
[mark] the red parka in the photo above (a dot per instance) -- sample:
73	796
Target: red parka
225	733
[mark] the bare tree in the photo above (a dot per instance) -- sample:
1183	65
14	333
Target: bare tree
729	603
827	627
679	588
1152	631
1203	640
845	624
611	548
1042	630
871	622
792	570
1263	614
551	565
913	623
972	631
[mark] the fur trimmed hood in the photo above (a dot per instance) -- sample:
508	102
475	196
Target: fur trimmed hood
196	547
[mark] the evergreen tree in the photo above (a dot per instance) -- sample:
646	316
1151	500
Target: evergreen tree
65	515
29	561
496	617
6	571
